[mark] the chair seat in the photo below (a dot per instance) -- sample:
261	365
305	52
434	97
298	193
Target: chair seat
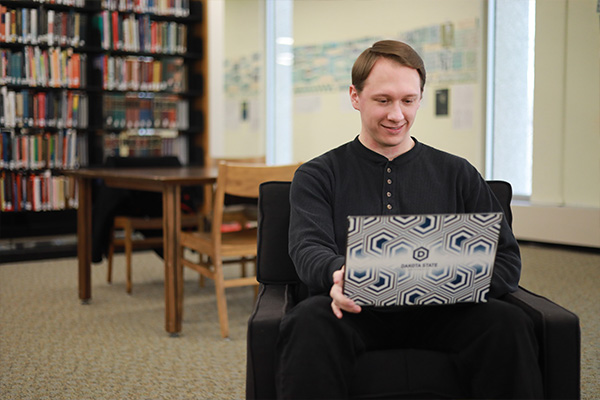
187	221
232	243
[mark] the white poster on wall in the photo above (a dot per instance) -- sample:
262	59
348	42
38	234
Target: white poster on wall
461	109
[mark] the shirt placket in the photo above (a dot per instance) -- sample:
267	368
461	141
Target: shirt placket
388	192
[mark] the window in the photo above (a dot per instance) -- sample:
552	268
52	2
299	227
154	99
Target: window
510	93
279	66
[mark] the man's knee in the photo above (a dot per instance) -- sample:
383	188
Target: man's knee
311	313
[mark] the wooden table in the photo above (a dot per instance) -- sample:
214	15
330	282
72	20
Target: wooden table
166	180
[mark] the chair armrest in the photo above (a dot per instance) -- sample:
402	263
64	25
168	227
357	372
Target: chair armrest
272	303
559	336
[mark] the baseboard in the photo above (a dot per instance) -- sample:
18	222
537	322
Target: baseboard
572	226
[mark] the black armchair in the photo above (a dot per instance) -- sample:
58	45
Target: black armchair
403	373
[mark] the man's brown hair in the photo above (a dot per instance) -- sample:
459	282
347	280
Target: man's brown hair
391	49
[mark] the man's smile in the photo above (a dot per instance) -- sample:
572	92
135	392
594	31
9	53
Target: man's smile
393	128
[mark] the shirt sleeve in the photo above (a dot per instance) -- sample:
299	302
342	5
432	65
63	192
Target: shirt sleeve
312	245
507	265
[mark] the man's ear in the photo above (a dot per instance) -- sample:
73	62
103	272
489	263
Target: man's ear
354	97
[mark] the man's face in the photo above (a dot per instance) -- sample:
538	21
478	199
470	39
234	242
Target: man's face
388	106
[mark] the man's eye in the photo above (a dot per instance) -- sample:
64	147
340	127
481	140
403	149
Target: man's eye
382	101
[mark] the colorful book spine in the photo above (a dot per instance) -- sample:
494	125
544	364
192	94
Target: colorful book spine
142	73
50	67
145	111
64	149
44	191
53	109
130	143
176	8
140	33
49	27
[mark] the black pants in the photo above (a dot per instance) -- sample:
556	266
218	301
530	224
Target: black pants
496	348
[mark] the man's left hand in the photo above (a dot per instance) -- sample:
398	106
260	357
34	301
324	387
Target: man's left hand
341	302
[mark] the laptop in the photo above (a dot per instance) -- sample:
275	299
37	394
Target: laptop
420	259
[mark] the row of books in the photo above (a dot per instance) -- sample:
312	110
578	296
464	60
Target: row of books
158	143
145	111
52	109
21	191
50	27
64	149
139	33
73	3
53	67
142	73
177	8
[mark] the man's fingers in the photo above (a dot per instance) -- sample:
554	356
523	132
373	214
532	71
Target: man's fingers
336	310
340	302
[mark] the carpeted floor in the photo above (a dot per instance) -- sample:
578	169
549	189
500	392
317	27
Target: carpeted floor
52	347
571	279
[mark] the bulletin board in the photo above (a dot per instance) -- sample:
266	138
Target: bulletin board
451	52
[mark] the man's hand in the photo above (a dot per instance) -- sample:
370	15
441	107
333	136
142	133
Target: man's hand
340	302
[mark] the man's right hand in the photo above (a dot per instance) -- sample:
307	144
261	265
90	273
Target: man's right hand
340	302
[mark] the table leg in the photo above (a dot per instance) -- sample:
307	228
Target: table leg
84	239
173	269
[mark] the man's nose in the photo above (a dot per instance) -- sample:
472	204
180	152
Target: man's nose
396	113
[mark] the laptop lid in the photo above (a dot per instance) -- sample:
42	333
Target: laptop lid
420	259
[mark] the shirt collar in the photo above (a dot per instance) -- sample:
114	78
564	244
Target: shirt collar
368	154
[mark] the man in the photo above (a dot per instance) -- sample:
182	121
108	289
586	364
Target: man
387	171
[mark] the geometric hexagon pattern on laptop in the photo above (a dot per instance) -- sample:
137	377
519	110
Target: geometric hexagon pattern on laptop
420	259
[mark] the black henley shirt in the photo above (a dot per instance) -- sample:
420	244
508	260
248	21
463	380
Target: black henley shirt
353	180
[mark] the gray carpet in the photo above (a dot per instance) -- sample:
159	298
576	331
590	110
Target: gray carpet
52	347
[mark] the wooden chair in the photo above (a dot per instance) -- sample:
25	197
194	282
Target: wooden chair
234	212
214	248
129	241
237	213
130	224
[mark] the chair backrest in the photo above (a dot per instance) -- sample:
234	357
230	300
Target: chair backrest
503	192
214	162
243	180
273	263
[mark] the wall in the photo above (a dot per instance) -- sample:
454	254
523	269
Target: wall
236	57
334	122
565	203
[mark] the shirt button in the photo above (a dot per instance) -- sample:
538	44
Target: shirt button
389	170
389	194
389	206
389	181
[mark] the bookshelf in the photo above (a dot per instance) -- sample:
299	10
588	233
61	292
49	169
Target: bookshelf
85	79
